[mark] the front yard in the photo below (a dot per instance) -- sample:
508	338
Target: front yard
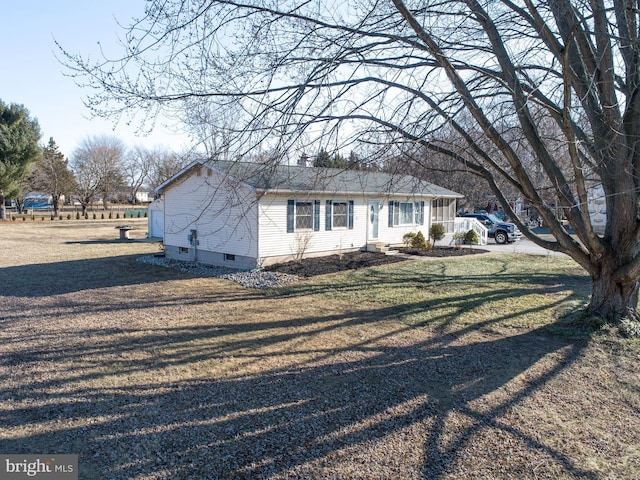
446	368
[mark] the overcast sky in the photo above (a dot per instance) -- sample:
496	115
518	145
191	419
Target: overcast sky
32	76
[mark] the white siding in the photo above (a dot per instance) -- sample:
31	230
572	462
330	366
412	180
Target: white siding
275	241
230	221
393	235
223	214
156	218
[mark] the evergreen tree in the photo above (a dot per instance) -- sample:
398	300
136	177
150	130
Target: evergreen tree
354	162
323	159
338	161
19	135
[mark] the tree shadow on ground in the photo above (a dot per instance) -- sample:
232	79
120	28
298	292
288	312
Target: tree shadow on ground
104	241
307	420
409	403
58	278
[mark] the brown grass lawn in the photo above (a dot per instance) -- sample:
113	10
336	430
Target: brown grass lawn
449	368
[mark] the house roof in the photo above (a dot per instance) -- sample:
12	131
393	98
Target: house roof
312	180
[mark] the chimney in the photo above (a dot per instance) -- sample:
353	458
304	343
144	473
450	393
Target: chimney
303	161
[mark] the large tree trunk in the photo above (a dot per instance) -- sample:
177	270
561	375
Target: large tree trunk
3	211
611	297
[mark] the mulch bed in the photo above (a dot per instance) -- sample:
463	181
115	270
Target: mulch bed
310	267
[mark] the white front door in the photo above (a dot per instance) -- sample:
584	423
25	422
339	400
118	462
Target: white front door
373	215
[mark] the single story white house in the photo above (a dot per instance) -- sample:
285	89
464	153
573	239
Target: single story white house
246	215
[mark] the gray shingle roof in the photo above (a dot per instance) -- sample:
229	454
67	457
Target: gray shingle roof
307	180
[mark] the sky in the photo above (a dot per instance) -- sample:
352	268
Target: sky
32	75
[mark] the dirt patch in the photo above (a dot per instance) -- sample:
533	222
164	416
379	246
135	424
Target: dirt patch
310	267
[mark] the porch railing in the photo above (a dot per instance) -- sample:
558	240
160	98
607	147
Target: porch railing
464	224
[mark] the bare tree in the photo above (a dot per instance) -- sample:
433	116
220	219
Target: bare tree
444	171
138	164
51	175
164	164
212	126
401	71
97	165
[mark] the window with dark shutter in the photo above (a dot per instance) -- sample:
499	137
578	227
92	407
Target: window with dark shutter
291	206
390	214
396	213
316	215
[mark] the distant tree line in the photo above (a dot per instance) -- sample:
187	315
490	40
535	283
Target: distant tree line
101	167
336	160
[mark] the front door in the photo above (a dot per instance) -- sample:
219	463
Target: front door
374	214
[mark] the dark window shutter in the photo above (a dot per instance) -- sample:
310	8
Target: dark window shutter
291	211
328	213
390	213
316	215
422	213
350	215
396	213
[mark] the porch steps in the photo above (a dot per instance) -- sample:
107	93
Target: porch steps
381	247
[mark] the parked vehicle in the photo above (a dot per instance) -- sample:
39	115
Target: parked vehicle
501	232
